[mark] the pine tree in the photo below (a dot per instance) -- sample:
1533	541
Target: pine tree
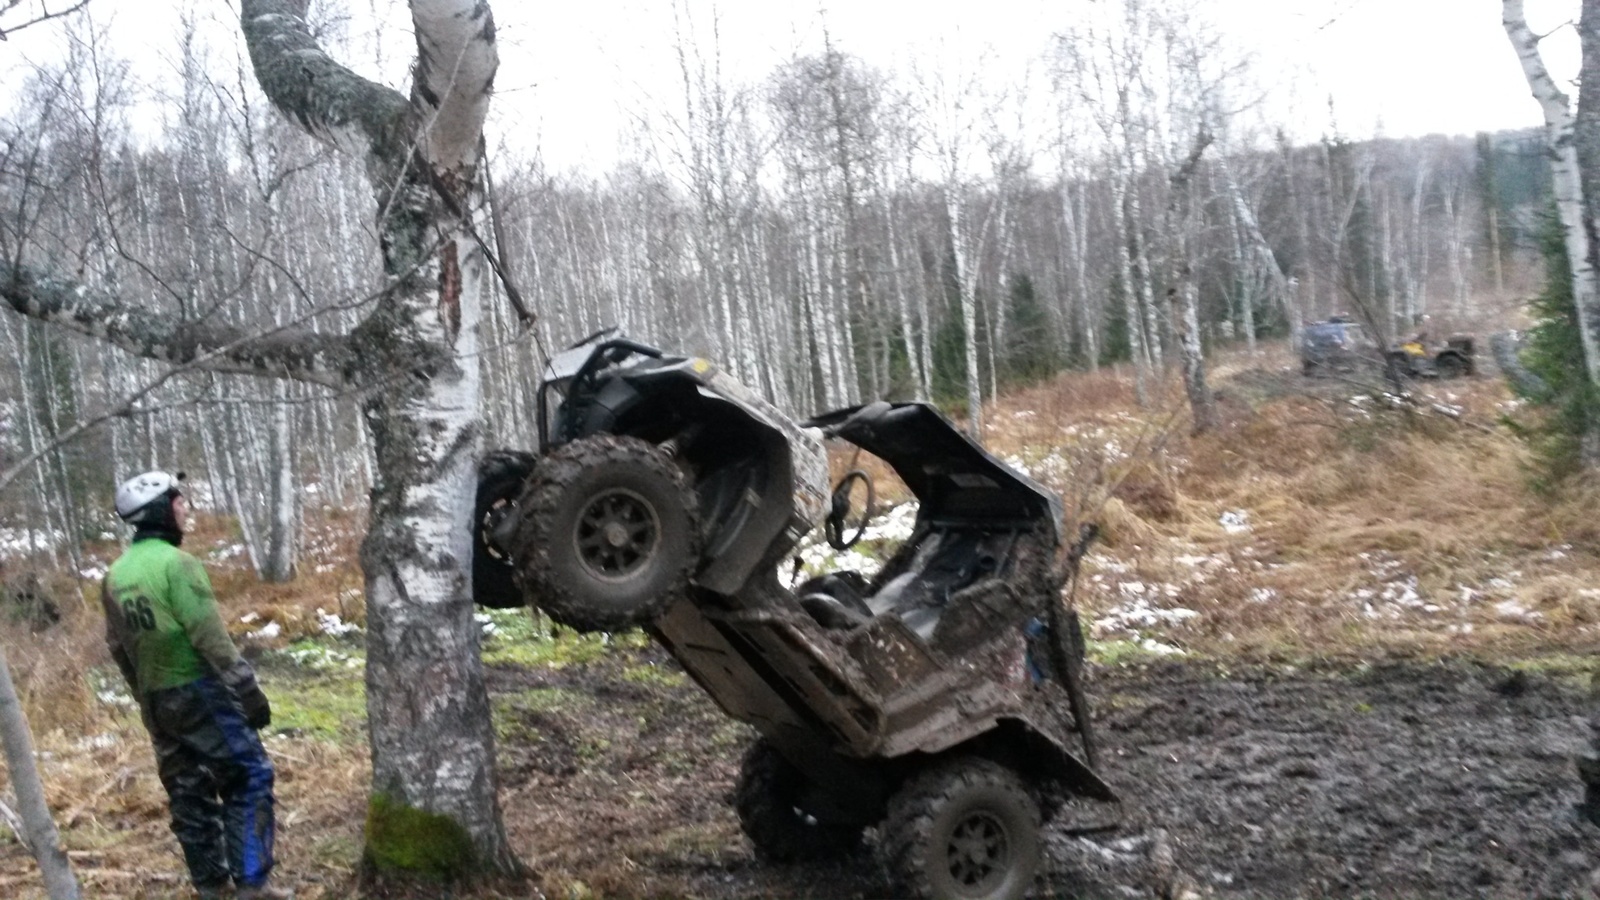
1554	352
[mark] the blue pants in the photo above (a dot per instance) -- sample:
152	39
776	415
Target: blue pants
219	782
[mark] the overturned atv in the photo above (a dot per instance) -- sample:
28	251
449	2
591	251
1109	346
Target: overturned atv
667	495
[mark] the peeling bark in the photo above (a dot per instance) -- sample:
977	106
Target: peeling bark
1565	173
428	712
1183	295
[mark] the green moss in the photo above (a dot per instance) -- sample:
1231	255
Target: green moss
511	711
331	708
517	641
655	675
404	840
1578	671
1121	653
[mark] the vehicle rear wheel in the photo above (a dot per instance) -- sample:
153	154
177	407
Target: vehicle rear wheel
607	538
1449	365
501	475
964	829
768	798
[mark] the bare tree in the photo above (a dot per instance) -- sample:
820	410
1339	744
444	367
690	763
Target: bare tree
39	829
1567	176
414	357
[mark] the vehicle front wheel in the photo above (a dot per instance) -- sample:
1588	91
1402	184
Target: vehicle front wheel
966	828
607	538
768	800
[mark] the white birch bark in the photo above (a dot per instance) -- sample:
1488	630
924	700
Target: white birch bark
43	839
1130	299
969	307
1565	176
1262	251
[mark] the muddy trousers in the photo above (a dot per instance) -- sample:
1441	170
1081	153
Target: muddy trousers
218	780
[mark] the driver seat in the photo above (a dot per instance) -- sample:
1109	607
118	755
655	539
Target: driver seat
836	600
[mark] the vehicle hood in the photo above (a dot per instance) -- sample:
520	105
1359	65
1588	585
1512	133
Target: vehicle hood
952	476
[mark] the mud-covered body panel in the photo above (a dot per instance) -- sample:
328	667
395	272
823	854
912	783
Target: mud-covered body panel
931	662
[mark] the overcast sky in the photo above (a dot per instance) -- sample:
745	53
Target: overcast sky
571	72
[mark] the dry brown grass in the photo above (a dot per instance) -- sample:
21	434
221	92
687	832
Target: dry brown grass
1372	526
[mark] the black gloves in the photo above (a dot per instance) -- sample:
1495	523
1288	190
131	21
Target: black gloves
241	679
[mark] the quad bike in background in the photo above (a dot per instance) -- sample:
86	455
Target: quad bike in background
1417	358
667	495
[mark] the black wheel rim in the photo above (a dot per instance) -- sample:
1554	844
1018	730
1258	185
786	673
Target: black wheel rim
492	518
978	853
617	534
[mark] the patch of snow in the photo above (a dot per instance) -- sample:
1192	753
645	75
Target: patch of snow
1512	611
266	632
1263	595
1140	614
1235	521
315	656
114	696
333	625
484	622
27	540
97	742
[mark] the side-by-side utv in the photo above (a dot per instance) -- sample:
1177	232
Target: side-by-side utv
668	496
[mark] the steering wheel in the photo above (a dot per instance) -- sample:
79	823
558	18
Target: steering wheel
839	509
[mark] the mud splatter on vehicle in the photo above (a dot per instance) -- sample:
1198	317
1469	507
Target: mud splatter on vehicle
666	496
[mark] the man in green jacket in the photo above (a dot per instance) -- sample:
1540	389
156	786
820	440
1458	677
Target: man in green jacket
198	696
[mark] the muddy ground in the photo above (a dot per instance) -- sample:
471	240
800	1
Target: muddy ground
1403	779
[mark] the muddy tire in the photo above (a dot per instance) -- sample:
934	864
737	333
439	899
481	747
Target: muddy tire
767	800
964	829
501	476
1449	365
607	538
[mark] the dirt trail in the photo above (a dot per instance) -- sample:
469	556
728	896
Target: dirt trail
1407	779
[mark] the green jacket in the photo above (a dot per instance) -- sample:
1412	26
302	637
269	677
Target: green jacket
162	622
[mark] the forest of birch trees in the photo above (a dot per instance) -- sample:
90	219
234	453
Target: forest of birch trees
830	233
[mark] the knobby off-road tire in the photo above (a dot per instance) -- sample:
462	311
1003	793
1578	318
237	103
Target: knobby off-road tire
963	829
767	800
501	476
607	538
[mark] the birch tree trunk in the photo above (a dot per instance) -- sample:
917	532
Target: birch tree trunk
433	795
1263	253
1130	301
967	283
43	839
1565	175
1183	295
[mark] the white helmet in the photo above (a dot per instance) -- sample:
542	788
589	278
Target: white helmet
137	493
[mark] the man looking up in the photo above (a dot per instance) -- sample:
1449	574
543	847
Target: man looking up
198	697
